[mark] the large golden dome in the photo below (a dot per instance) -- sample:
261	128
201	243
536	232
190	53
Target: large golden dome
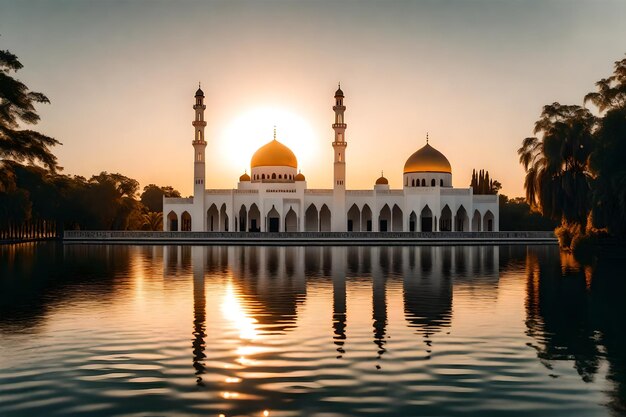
274	153
427	159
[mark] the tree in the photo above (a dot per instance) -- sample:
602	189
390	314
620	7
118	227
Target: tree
607	159
152	196
607	164
557	175
611	92
516	214
152	221
17	106
481	184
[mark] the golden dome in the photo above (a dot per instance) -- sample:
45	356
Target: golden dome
300	177
427	159
244	177
274	153
382	181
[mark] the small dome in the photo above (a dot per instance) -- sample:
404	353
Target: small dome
339	92
427	159
382	181
244	177
274	153
199	92
300	177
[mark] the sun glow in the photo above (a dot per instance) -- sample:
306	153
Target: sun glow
254	128
233	311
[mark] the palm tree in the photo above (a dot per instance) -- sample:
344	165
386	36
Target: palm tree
611	92
557	175
17	107
153	220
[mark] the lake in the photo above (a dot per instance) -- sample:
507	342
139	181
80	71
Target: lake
122	330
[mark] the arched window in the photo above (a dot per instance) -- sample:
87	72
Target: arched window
413	183
263	176
280	176
274	176
441	183
423	182
432	182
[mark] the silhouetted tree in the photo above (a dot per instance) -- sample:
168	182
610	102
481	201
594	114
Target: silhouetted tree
17	106
152	196
557	175
611	92
152	221
516	214
607	159
481	184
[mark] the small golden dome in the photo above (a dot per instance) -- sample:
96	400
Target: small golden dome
427	159
244	177
382	181
300	177
274	153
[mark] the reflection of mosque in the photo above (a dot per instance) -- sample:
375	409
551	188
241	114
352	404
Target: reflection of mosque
271	283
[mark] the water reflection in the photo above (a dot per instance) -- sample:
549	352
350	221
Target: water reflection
267	284
35	278
199	314
309	330
338	276
578	313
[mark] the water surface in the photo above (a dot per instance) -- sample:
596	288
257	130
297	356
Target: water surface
316	331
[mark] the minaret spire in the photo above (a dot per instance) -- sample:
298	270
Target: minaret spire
339	167
199	171
426	137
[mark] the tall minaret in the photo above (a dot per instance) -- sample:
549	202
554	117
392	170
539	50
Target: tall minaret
199	173
338	215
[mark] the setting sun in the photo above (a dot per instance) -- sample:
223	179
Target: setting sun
243	135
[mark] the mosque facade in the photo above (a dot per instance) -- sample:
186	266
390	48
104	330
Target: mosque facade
275	197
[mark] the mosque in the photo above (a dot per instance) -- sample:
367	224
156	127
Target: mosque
275	197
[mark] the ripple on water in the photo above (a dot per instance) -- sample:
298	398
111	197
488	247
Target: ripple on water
199	331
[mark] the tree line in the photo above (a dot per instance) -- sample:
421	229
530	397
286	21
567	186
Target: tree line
575	170
33	192
106	201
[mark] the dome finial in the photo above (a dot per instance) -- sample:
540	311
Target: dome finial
199	86
274	132
426	137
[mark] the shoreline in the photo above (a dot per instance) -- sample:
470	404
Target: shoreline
311	238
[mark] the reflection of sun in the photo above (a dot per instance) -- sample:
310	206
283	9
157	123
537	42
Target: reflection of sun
254	128
233	311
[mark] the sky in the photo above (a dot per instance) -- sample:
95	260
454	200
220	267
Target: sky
474	74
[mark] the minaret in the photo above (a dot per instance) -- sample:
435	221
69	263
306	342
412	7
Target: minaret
199	173
339	185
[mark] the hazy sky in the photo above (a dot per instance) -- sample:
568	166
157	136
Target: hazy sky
473	73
